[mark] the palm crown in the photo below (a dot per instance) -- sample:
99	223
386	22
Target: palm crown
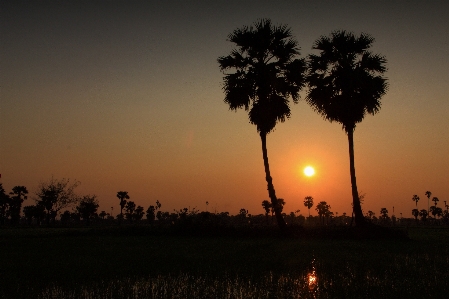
264	73
345	80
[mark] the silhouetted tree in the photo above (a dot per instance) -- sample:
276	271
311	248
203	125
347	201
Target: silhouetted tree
267	207
308	202
423	214
122	196
56	195
415	198
264	73
280	203
66	217
88	207
18	195
4	205
415	213
384	213
428	194
435	200
29	212
436	211
130	208
322	208
345	82
138	213
243	213
102	214
151	214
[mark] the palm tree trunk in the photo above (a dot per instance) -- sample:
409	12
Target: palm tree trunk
271	192
356	207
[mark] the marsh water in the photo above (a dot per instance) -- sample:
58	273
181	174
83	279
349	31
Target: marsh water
314	282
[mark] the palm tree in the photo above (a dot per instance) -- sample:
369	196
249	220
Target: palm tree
308	202
123	196
322	208
261	74
435	200
415	198
345	83
428	194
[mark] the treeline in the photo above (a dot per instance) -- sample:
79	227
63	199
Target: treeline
57	204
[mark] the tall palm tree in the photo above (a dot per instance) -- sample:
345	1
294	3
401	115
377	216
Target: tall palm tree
415	198
260	75
345	83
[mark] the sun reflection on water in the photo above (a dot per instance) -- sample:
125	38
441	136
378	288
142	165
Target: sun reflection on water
312	278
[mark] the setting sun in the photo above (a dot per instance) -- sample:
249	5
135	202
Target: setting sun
309	171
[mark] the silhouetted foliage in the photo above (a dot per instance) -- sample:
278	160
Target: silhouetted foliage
151	214
415	198
18	195
4	204
345	82
423	214
323	210
88	207
415	213
56	195
267	207
308	202
122	196
130	207
261	74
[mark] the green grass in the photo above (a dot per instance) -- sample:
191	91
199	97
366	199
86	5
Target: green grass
67	263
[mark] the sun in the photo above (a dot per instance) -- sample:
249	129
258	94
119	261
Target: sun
309	171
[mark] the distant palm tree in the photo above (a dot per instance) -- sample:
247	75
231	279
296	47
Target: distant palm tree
323	209
264	72
435	200
345	83
308	202
123	196
428	194
415	198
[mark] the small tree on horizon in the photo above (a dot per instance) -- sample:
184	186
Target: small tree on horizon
267	207
122	196
308	202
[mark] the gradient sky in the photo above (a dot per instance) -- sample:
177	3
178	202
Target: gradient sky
126	96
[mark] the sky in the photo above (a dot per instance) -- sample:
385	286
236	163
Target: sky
127	96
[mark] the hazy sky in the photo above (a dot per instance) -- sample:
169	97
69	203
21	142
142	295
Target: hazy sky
127	96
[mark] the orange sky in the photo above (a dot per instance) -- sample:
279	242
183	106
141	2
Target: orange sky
128	98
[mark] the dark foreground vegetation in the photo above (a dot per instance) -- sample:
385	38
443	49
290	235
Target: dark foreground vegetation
146	262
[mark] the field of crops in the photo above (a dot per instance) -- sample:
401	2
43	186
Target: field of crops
80	263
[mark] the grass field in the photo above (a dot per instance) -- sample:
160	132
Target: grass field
84	263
